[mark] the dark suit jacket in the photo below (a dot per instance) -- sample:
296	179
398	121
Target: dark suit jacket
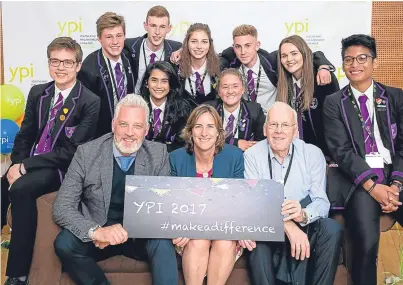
344	137
313	127
80	109
133	47
250	126
84	198
95	76
268	61
228	163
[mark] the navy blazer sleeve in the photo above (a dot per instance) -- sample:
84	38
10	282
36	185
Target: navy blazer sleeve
397	159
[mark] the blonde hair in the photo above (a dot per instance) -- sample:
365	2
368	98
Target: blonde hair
134	101
159	12
110	20
244	30
191	122
285	83
232	71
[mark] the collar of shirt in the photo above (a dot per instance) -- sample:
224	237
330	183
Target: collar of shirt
65	92
158	53
369	92
113	63
235	114
296	81
162	106
201	70
272	156
255	68
117	154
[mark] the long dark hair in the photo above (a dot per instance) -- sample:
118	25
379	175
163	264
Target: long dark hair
176	107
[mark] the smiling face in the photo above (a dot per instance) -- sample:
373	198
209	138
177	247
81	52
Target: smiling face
157	28
245	48
199	44
204	133
158	85
129	129
280	128
231	90
112	41
359	73
291	59
64	77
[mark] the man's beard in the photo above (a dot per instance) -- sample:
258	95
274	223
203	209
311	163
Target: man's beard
127	150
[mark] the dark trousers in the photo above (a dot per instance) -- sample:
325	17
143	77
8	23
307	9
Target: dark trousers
270	262
362	219
23	194
79	258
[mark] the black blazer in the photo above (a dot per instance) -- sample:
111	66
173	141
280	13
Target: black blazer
133	46
344	137
250	126
268	61
312	123
171	128
95	76
80	110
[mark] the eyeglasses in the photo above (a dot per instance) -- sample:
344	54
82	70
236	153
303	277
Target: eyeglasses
66	63
284	126
361	59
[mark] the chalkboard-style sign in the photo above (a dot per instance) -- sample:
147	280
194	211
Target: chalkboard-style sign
202	208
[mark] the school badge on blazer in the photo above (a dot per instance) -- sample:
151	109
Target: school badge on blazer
69	131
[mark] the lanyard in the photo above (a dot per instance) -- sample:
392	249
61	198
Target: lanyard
288	169
257	82
144	54
113	78
201	84
236	125
357	109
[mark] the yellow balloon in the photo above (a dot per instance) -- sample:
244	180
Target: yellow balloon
12	102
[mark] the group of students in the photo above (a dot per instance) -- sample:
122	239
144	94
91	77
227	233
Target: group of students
192	94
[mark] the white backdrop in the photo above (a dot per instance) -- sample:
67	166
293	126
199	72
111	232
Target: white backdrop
28	27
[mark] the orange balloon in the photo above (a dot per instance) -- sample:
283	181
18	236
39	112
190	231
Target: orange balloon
19	120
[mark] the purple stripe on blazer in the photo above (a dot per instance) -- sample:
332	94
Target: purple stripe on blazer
358	180
103	80
388	116
346	119
397	173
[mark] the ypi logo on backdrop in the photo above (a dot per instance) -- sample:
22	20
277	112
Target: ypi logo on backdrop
20	73
340	73
296	28
69	27
179	29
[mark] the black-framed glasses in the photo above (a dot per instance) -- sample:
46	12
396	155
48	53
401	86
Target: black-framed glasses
66	63
284	126
361	59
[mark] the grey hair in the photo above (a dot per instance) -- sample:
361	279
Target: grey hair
134	101
278	103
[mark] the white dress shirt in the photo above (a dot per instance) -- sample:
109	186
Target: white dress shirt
65	93
206	81
235	114
159	55
162	107
267	92
385	153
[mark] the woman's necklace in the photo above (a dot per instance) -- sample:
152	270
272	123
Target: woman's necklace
204	170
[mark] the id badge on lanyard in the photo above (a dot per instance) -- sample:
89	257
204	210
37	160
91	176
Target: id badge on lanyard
374	160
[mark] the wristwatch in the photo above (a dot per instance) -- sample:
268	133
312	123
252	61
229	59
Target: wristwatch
92	231
398	185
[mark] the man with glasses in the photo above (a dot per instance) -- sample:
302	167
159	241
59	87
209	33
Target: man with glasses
364	133
59	116
310	253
